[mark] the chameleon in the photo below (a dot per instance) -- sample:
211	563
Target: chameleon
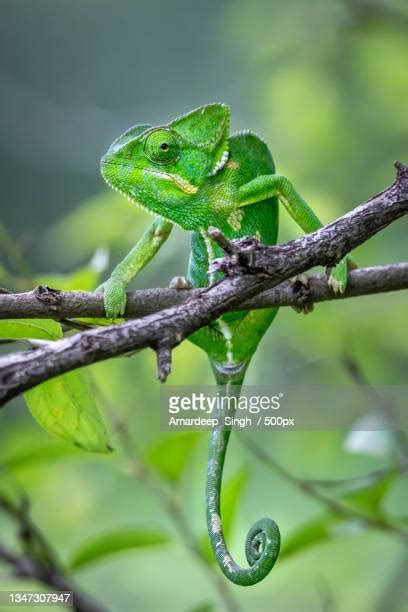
193	173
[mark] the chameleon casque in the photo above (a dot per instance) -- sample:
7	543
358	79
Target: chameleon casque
192	173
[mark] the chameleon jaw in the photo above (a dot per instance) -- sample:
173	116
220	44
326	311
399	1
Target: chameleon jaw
181	182
130	193
133	200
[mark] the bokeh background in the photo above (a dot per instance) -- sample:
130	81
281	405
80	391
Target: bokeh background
325	82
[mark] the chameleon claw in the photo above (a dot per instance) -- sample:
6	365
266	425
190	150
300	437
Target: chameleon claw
301	290
338	277
336	285
303	279
180	282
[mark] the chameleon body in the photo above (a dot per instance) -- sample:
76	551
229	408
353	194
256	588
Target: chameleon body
191	172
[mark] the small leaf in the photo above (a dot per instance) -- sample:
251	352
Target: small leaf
43	329
369	499
366	501
114	542
171	453
65	407
309	534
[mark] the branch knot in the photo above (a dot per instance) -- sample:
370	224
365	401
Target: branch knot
240	255
47	295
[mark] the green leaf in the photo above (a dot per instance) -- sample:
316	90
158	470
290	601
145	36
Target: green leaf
369	499
65	406
109	543
366	501
312	532
43	329
171	453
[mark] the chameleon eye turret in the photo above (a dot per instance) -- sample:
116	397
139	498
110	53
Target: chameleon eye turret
161	146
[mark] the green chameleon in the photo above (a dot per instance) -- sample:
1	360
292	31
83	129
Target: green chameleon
192	173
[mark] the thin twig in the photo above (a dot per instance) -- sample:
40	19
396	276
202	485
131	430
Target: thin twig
356	482
38	560
357	374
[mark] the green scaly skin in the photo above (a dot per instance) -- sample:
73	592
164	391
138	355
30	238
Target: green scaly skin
193	173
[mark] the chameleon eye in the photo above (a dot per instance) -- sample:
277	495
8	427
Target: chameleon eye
161	146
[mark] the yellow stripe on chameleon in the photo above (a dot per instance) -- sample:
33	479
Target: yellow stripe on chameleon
179	180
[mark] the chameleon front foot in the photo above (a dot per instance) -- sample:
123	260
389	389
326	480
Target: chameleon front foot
114	298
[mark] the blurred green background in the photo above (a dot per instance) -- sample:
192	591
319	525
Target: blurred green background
325	82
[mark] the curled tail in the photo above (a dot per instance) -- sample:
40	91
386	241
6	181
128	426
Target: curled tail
263	540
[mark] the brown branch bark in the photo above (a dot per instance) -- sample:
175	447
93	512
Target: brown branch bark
47	303
250	268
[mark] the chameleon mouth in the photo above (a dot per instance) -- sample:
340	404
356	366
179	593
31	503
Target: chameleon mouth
181	182
178	180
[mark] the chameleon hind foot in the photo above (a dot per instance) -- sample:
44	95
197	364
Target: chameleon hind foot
301	290
114	298
338	277
180	282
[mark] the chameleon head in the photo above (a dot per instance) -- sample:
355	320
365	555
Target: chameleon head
163	169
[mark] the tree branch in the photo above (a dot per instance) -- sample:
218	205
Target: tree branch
38	561
250	268
46	303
